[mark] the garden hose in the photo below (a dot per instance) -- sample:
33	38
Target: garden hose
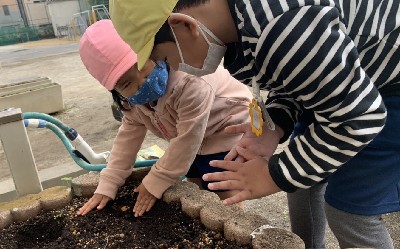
81	153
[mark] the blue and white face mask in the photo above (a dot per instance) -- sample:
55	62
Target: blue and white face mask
154	87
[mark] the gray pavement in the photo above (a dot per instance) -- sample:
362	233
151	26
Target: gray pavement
18	53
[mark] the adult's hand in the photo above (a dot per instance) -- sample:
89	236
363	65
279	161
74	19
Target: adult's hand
263	146
251	179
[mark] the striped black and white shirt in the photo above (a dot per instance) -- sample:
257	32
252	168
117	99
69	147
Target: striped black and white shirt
328	56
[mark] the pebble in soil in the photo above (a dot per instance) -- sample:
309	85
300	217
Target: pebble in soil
165	226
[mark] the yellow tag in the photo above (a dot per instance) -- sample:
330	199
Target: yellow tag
256	119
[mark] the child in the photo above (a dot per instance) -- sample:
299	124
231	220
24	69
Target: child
169	105
331	67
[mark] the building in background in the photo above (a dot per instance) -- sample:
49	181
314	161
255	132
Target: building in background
27	20
24	20
10	14
61	12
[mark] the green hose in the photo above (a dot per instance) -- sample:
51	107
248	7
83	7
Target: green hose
57	127
48	118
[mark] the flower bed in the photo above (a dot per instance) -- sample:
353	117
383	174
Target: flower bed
186	218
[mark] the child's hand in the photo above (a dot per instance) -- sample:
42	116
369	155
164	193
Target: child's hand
263	146
97	200
251	179
144	202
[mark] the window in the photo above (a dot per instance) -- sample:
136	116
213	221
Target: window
6	10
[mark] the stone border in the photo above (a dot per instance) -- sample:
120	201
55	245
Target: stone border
199	204
30	205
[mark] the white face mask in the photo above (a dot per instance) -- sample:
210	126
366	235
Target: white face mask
214	56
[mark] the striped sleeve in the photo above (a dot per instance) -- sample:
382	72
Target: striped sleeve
306	54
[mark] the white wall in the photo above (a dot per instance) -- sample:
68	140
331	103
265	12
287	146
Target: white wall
61	12
36	12
14	17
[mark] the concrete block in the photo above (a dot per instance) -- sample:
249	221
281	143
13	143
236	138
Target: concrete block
49	177
277	238
214	216
32	95
85	185
191	205
5	219
23	208
138	174
179	190
240	227
55	197
10	115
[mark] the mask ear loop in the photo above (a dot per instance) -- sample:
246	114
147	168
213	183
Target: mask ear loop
157	65
208	31
177	44
203	29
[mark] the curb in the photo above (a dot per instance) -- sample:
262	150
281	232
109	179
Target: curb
30	206
199	204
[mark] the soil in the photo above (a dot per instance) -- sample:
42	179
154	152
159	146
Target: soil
87	109
164	226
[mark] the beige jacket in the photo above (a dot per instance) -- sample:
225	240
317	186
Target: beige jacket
191	115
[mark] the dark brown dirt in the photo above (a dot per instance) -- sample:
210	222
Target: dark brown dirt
165	226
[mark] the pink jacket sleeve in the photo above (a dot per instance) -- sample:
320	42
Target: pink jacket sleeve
192	101
123	154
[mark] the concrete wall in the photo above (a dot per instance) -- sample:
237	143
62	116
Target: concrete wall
32	95
14	17
37	12
61	12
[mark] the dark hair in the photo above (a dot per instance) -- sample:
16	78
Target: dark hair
183	4
118	100
164	33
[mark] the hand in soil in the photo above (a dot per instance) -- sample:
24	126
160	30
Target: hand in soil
144	202
97	200
164	226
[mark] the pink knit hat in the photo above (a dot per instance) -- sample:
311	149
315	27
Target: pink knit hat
105	55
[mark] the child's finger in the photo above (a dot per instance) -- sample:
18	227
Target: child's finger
103	203
245	153
239	197
225	185
139	197
228	165
151	204
142	207
234	129
139	211
145	205
138	203
239	159
232	154
89	205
